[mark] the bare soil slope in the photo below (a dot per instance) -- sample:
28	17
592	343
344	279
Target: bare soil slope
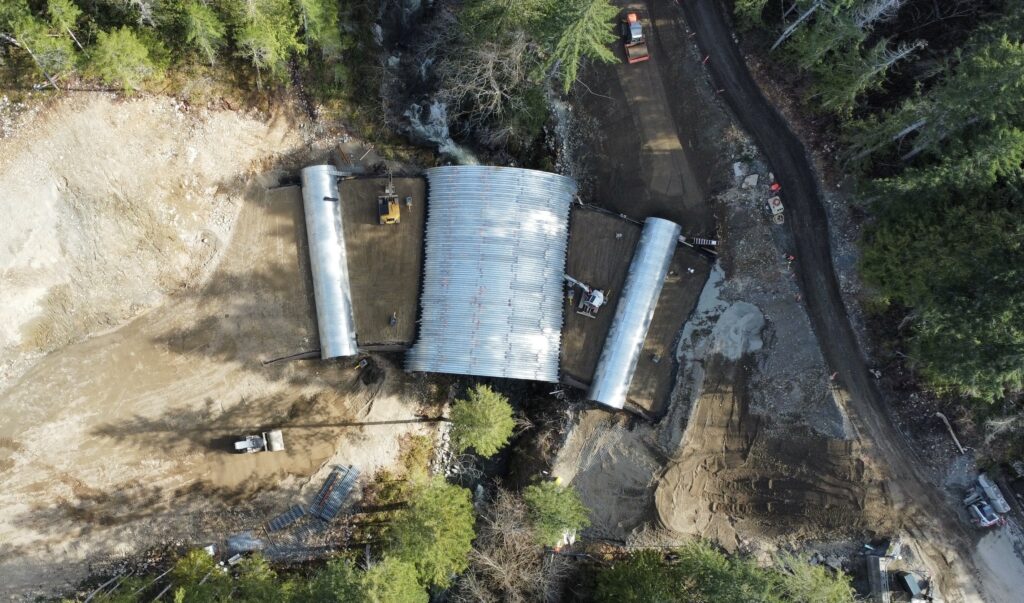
121	440
111	205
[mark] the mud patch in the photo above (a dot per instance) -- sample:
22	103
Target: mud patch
612	462
1003	556
737	472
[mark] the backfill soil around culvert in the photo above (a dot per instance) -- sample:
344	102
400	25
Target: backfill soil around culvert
755	450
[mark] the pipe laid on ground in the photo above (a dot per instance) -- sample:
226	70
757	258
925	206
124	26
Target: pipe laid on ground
634	312
321	202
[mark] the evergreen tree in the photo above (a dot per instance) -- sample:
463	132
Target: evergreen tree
53	55
482	421
698	573
64	16
985	89
336	582
493	20
198	579
841	81
815	47
204	30
715	577
554	510
973	166
319	21
748	12
953	250
435	531
643	577
392	581
579	30
974	347
269	36
831	47
257	581
120	58
11	11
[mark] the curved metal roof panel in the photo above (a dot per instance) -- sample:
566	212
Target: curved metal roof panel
492	297
328	261
634	312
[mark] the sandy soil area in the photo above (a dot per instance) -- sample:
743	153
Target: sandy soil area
110	206
744	469
152	272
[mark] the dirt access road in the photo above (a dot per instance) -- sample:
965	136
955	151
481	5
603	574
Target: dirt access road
925	512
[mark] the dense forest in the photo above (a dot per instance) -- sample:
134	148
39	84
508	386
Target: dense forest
693	573
196	49
127	44
927	99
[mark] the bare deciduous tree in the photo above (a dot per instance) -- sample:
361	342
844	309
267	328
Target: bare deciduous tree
506	563
874	11
484	84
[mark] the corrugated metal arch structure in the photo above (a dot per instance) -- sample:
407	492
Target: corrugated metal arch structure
634	312
328	261
493	285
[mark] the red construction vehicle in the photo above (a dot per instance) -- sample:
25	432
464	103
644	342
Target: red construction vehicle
633	38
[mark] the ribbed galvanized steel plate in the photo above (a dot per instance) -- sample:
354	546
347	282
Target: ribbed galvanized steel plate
496	246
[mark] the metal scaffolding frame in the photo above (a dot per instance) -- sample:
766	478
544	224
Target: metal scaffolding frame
496	245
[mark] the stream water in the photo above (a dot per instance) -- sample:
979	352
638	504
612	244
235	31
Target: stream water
428	123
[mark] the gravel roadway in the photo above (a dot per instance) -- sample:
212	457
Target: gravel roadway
925	512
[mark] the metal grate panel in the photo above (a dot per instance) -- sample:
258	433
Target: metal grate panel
329	500
285	519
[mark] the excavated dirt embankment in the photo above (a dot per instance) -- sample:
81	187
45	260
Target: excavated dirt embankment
741	469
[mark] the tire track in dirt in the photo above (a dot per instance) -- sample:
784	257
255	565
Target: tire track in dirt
733	468
918	503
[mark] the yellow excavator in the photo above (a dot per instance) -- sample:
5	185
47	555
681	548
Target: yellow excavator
388	210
